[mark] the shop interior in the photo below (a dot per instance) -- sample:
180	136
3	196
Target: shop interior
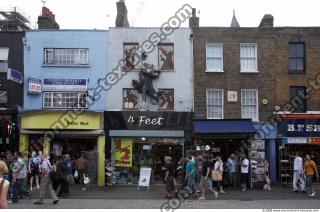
9	134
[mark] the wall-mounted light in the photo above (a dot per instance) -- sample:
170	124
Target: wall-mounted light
265	101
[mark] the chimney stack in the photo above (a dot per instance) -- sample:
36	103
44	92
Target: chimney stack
47	20
194	20
266	21
122	14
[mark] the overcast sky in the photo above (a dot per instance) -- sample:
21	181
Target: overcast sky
101	14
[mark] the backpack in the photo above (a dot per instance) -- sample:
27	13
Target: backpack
54	176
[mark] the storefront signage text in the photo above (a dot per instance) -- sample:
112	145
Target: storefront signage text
144	120
15	76
34	86
303	128
81	123
65	84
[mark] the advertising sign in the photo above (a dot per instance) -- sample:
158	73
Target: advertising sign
299	128
15	76
145	175
65	84
123	152
34	86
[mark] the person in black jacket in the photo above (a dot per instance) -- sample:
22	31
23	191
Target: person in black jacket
61	184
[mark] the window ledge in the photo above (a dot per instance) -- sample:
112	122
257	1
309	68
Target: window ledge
68	66
249	72
214	71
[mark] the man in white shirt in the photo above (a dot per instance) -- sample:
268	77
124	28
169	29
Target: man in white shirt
244	172
298	174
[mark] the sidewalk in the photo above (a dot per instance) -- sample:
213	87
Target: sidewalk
157	192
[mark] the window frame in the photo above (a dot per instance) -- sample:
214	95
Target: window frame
166	44
63	92
129	109
257	105
54	56
5	104
207	103
208	44
256	58
305	100
295	71
5	62
167	89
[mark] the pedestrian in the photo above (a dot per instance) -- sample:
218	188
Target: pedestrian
205	181
218	167
232	170
68	163
311	172
62	178
191	176
169	177
34	169
46	182
4	185
82	166
266	175
19	174
244	172
298	174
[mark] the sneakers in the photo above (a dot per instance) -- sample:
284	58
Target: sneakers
201	198
313	194
84	189
222	192
55	201
216	194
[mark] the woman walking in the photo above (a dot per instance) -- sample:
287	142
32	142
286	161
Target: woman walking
218	167
4	185
191	176
169	177
266	175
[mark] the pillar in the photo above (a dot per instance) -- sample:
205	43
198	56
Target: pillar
46	145
23	144
101	160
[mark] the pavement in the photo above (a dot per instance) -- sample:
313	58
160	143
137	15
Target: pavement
129	197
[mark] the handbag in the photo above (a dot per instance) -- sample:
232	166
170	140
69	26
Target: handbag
76	174
86	179
216	175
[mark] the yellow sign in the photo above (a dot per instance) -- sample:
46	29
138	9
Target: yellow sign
68	120
123	152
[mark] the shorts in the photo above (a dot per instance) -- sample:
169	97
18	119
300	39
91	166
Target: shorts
35	172
205	183
309	180
244	178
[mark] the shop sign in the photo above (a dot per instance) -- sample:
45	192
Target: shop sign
34	86
232	96
145	121
299	128
65	84
15	76
296	140
144	178
123	152
314	140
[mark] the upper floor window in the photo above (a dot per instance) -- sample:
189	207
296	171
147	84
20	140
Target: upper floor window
4	54
297	98
3	98
64	100
166	99
131	56
249	104
214	57
66	56
215	104
166	56
248	57
130	99
296	58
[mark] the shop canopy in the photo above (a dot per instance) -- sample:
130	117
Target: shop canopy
223	126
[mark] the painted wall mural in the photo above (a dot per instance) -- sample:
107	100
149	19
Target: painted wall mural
130	51
130	99
166	57
166	99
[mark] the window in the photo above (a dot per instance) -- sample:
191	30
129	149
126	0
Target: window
130	56
214	104
166	99
130	99
214	57
296	58
66	56
297	99
166	56
4	53
248	57
64	100
249	104
3	98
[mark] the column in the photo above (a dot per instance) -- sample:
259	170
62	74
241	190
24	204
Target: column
101	160
23	144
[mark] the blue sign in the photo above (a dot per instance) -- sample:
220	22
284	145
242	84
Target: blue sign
299	128
34	86
65	84
15	76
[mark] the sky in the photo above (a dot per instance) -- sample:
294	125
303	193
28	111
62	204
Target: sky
101	14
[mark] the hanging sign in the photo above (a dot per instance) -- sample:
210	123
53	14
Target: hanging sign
123	152
34	86
15	76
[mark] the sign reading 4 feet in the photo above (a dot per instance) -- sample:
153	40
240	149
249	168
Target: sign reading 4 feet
144	120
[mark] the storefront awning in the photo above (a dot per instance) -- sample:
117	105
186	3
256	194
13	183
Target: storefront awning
75	133
223	126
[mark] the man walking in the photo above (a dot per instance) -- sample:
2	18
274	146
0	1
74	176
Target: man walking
19	175
244	172
311	172
298	174
82	166
232	170
206	181
46	182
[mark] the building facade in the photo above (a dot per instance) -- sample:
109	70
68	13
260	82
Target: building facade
150	114
63	110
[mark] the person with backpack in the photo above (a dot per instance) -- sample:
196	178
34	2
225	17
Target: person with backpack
46	182
34	169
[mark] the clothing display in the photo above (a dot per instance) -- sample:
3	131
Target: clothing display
57	149
9	134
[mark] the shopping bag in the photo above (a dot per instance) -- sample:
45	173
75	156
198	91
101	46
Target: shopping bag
216	175
86	179
76	174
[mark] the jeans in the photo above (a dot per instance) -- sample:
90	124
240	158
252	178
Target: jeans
18	190
232	179
298	176
192	185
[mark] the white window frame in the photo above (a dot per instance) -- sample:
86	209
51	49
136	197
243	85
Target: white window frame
207	56
255	70
4	55
207	102
257	106
61	56
51	103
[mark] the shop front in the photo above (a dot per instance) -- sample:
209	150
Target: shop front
297	133
143	139
66	132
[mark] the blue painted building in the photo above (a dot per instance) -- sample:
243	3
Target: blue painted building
60	113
